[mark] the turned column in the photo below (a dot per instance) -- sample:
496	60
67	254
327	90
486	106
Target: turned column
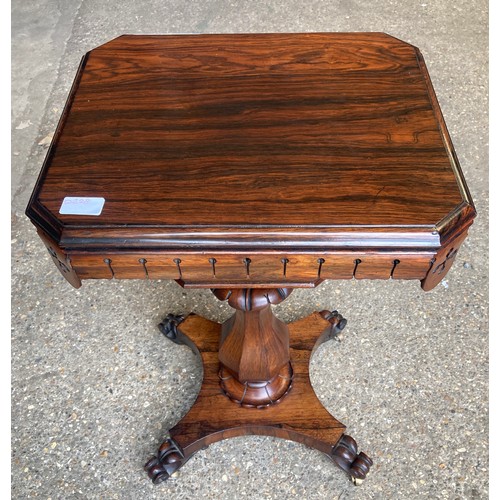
255	369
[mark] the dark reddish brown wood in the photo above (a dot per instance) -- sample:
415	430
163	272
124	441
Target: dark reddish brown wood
252	164
254	345
346	455
223	269
298	417
442	262
279	148
255	363
61	260
252	299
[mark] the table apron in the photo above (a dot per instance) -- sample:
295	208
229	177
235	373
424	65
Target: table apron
251	269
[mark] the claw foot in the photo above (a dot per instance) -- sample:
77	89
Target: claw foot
345	454
169	327
169	459
337	321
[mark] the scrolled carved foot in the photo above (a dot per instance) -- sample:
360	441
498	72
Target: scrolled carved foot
155	471
337	321
345	455
169	327
169	459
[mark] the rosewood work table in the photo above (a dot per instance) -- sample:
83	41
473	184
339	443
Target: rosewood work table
253	164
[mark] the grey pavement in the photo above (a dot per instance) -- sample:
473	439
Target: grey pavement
95	387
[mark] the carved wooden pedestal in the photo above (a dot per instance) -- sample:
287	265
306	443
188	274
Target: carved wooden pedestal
264	391
232	161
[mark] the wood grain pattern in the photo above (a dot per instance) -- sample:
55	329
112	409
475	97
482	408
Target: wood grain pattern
212	270
219	128
314	144
251	164
255	363
442	262
299	416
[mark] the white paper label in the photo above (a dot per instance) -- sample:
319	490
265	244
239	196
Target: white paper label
73	205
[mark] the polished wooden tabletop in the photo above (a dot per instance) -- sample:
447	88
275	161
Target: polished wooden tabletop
253	142
253	164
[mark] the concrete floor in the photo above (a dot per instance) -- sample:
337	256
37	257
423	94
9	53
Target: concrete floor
95	387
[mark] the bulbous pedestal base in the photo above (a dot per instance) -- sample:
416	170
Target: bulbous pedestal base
299	416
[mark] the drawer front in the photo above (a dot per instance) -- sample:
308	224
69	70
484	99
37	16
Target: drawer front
251	269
